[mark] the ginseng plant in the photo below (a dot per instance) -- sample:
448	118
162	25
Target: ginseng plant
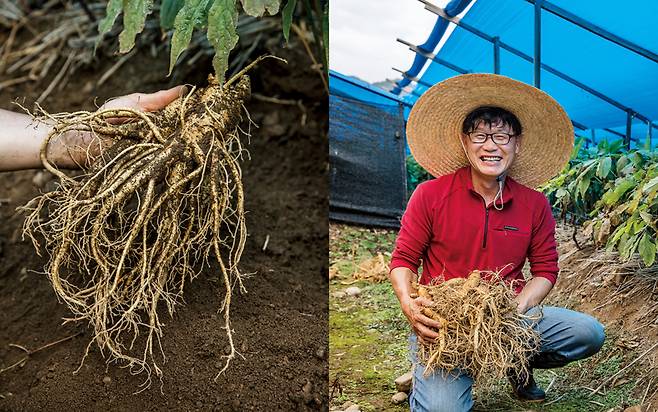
127	235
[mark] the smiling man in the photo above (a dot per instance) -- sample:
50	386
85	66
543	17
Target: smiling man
488	140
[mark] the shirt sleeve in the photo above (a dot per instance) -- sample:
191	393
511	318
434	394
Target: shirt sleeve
415	232
543	249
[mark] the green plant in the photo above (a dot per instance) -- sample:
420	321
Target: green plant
218	18
618	190
415	174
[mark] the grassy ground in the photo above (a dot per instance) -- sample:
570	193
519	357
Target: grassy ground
368	336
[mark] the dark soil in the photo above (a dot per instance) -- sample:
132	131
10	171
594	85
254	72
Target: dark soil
280	324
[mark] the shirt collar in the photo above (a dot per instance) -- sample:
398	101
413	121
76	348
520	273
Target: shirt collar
464	175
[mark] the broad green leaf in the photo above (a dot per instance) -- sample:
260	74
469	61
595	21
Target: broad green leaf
629	246
637	159
113	9
168	11
604	167
612	196
621	163
650	185
222	34
257	8
188	17
583	186
286	17
646	216
647	250
134	16
615	146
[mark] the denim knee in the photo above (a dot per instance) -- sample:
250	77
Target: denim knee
590	337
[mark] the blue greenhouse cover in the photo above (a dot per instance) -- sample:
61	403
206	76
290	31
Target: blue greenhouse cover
610	69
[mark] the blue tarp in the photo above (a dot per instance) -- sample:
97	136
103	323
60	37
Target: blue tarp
610	69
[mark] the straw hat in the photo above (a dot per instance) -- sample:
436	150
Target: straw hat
435	124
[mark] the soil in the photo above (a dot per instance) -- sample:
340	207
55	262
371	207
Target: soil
623	296
280	324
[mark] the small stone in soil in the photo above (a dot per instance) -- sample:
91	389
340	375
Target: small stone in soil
403	383
399	398
339	295
107	380
321	353
353	291
353	408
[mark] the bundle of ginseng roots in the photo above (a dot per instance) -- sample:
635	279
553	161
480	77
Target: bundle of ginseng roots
481	333
126	236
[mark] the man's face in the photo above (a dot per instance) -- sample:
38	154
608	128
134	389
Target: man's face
489	158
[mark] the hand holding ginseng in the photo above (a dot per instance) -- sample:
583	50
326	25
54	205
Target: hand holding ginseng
423	326
480	330
21	136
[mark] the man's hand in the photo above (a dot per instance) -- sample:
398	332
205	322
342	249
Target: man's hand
401	280
21	136
82	148
423	326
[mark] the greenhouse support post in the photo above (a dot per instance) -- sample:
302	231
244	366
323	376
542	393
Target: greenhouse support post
496	54
537	60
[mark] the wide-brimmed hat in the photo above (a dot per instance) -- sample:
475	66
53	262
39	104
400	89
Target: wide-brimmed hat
435	125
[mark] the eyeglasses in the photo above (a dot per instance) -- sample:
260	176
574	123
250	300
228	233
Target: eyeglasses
497	138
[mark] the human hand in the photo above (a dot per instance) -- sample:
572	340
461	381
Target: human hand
424	327
82	148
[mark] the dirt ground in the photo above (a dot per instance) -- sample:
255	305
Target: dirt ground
280	324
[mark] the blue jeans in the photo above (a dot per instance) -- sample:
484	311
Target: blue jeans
566	336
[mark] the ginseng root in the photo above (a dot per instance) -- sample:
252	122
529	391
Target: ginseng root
126	235
480	331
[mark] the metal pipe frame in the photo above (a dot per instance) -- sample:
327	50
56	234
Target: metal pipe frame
496	54
441	13
412	78
536	74
599	31
433	57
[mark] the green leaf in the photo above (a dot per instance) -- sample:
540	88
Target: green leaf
604	167
113	9
286	17
647	250
168	11
134	16
650	185
188	17
615	146
222	34
583	185
646	216
621	163
257	8
612	196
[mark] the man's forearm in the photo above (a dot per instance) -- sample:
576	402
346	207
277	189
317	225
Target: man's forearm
20	141
533	293
402	279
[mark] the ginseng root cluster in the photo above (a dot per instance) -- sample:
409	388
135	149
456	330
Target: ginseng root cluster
126	236
481	331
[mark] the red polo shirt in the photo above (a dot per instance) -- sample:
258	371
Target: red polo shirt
449	227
